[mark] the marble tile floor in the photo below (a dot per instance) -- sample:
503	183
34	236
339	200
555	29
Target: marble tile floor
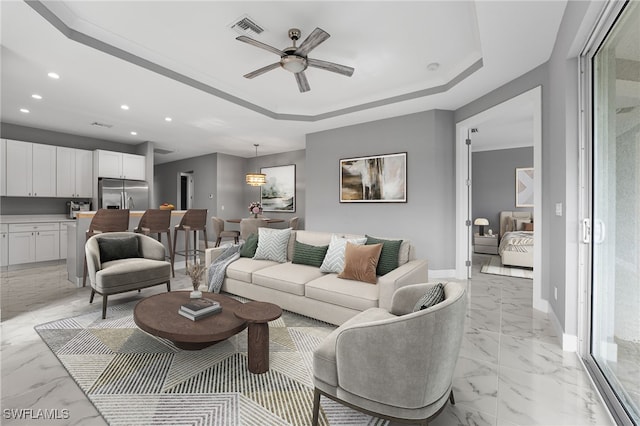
511	370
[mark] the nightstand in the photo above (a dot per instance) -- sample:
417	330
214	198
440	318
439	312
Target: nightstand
487	244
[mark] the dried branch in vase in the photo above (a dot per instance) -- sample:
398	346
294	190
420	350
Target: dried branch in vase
195	271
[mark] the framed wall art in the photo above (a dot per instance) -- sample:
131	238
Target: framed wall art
279	193
374	179
524	187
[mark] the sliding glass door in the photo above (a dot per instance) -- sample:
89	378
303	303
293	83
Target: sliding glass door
614	325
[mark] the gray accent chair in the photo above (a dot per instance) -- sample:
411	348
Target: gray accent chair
121	275
395	364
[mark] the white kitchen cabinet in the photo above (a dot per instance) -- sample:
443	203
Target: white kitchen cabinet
119	165
74	175
31	169
63	240
3	165
33	242
4	245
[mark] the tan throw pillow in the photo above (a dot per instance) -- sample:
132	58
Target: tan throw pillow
527	227
360	262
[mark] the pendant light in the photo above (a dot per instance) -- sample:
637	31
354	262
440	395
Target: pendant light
256	179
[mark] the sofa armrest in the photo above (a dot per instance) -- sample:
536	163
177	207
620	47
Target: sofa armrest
413	272
92	253
210	255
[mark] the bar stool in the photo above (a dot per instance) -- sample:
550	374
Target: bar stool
218	228
193	220
105	220
157	221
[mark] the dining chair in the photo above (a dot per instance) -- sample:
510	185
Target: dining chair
193	220
157	221
293	223
250	226
218	228
105	220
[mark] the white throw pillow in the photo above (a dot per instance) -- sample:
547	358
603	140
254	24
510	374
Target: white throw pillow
334	259
272	244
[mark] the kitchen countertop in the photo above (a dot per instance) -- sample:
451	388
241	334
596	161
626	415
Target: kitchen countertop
34	218
133	213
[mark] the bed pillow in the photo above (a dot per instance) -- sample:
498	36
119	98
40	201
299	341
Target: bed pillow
360	262
272	244
388	256
519	224
527	226
118	248
334	259
306	254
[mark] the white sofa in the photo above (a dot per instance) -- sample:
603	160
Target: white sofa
305	290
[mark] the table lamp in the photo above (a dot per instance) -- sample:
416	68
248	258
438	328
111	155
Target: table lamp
481	222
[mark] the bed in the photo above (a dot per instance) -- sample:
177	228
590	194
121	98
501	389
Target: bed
516	239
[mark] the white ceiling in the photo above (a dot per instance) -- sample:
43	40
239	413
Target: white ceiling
180	59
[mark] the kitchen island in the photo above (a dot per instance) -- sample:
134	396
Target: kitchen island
76	238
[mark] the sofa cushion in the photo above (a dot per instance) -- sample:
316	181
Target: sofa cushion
360	262
287	277
306	254
350	294
389	255
433	296
249	247
119	275
243	268
272	244
118	248
334	259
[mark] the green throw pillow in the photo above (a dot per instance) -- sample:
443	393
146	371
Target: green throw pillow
388	257
306	254
432	297
249	247
118	248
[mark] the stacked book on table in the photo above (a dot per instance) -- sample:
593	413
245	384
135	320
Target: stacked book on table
199	308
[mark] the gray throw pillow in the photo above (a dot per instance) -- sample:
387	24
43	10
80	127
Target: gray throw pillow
306	254
272	244
249	247
432	297
388	257
118	248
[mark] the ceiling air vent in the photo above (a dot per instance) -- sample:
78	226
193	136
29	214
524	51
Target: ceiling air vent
161	151
106	126
246	26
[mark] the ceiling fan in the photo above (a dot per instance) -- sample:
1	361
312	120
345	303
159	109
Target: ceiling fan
294	58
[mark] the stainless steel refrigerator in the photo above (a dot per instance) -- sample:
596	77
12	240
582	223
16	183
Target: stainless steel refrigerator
123	194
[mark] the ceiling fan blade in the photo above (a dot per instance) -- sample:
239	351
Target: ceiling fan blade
303	84
261	45
262	70
330	66
315	38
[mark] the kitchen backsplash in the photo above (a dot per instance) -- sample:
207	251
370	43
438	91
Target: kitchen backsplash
35	205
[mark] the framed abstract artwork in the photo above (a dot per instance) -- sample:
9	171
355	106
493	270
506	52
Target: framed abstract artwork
524	187
279	193
374	179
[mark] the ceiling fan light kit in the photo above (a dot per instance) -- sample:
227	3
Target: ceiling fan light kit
294	59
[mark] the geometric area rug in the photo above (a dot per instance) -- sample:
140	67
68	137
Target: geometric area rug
495	267
134	378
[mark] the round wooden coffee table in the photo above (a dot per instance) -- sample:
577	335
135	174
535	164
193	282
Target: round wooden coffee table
158	315
258	314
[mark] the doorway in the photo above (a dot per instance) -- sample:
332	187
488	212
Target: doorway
185	190
464	223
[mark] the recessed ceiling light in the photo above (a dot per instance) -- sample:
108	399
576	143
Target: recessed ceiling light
36	96
24	110
433	66
168	119
124	107
134	133
54	75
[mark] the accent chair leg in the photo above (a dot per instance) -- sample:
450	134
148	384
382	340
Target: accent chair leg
206	241
168	286
218	240
451	398
173	272
93	293
84	272
173	254
316	407
104	306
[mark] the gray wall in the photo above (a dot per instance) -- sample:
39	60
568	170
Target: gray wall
23	205
427	218
231	189
281	159
493	182
559	80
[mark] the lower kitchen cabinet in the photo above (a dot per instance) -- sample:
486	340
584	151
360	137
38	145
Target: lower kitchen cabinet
34	242
4	245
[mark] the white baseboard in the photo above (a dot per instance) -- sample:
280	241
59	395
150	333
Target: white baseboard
442	273
569	342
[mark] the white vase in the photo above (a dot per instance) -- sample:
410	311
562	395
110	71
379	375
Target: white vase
196	294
